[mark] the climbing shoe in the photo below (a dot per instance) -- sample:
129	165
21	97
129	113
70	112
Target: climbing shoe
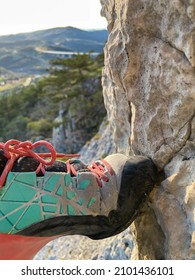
42	199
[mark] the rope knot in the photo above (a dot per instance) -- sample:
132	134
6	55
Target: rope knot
14	149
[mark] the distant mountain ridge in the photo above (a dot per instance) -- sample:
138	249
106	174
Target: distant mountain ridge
18	53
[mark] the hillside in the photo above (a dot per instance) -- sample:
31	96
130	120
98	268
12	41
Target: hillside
21	53
66	106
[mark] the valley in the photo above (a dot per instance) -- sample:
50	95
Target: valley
30	53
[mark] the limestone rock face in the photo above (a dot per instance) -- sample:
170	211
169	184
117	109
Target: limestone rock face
100	146
79	117
149	93
82	248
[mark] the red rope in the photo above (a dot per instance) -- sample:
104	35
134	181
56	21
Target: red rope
14	149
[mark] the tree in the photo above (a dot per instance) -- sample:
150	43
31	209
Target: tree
72	84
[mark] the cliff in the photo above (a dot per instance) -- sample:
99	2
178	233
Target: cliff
149	93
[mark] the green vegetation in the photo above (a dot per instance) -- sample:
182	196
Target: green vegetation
73	85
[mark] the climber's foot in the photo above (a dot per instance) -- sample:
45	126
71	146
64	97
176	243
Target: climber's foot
98	201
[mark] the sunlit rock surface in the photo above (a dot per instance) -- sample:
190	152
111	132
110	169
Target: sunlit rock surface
149	92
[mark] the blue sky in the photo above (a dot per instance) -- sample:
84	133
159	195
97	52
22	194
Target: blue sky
29	15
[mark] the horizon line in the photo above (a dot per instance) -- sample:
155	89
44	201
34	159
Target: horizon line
54	27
